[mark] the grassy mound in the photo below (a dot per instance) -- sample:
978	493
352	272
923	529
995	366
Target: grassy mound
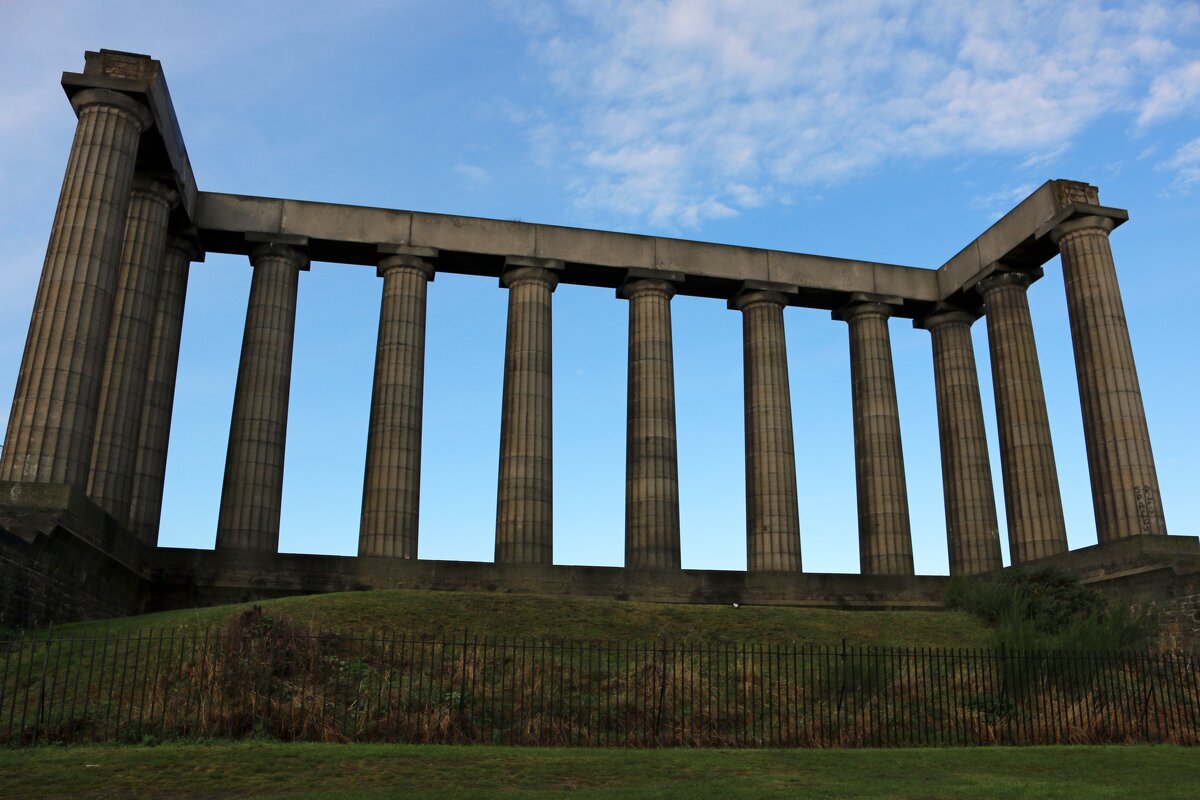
558	618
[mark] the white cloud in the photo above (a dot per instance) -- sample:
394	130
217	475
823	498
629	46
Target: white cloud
1042	159
1186	166
681	110
1172	94
1005	198
472	174
746	196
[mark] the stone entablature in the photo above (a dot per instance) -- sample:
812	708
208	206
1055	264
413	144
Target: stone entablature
348	234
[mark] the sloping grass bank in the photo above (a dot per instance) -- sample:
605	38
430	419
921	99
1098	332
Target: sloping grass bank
580	619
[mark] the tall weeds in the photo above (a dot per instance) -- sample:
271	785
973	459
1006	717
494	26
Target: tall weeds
263	677
1049	609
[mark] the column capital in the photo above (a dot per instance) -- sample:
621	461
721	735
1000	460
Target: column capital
1001	276
186	242
644	286
1079	210
745	300
636	276
517	275
1083	223
862	305
159	189
946	314
108	97
751	293
406	262
295	255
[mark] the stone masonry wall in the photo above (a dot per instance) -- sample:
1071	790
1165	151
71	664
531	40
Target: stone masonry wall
59	578
1181	621
63	559
1174	594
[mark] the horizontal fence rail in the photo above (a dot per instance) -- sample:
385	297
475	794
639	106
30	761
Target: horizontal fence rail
263	682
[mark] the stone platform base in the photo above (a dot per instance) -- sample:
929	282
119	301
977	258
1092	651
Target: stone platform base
63	559
1125	558
185	578
1163	570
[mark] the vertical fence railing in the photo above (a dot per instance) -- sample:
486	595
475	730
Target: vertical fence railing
467	689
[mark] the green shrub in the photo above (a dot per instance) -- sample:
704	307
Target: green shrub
1049	609
987	598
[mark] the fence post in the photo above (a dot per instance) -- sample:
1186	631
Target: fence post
12	708
1005	674
1141	673
462	687
8	663
271	643
662	696
37	724
200	660
840	719
23	721
1190	665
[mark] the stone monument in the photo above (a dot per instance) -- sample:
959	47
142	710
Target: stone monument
81	476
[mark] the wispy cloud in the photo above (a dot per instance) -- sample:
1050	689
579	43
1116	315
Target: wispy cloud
472	174
1172	94
1046	157
686	110
1185	164
1005	197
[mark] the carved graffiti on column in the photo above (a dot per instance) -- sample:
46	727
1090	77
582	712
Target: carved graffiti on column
1144	496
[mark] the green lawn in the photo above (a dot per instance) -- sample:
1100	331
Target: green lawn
555	618
414	771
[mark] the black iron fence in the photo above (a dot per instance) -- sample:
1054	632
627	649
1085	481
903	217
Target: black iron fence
467	689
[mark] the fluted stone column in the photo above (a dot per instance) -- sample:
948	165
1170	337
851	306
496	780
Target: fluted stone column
651	466
253	490
1032	502
159	402
392	482
1120	461
525	492
972	531
123	388
53	419
884	535
772	516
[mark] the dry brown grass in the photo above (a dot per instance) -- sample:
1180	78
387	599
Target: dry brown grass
263	677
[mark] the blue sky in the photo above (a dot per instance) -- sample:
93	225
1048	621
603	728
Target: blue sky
889	131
